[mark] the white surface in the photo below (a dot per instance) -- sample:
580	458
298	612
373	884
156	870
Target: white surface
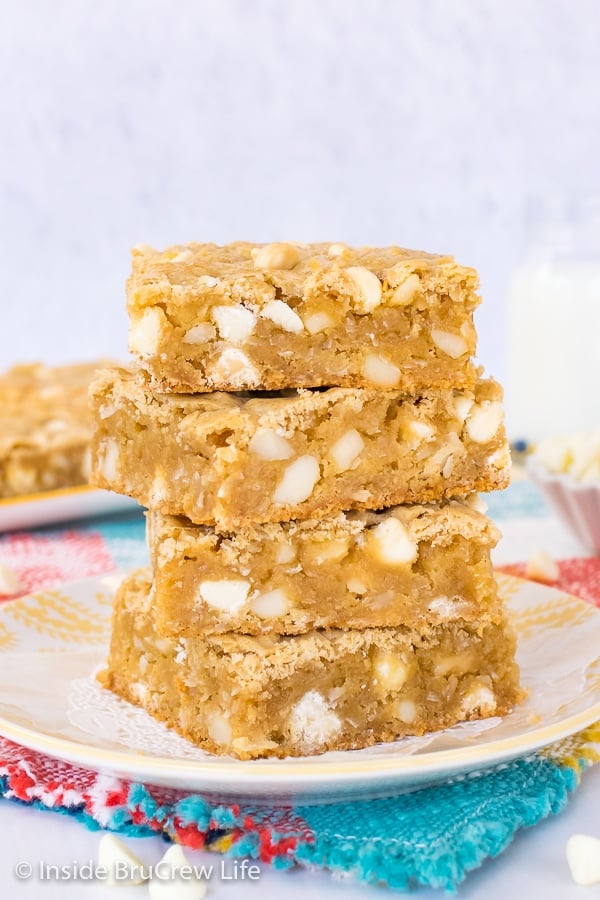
60	709
421	122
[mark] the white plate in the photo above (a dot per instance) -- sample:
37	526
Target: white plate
31	510
51	642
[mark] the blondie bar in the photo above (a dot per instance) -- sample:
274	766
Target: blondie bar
410	565
45	427
230	460
301	695
242	317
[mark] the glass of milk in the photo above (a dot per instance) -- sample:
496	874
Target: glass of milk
553	384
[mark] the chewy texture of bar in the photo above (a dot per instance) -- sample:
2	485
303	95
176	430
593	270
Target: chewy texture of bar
45	427
301	695
232	460
410	565
245	316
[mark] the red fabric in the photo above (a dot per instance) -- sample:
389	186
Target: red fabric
45	562
580	577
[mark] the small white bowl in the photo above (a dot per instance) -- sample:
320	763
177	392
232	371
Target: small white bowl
577	503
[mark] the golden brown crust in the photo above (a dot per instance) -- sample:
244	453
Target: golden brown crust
205	317
279	696
197	455
45	427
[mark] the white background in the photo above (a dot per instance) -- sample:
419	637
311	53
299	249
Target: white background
427	123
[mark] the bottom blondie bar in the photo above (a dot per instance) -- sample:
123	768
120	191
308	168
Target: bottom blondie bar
281	696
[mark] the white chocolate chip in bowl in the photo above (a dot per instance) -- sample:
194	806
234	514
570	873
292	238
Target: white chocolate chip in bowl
390	543
347	449
283	315
298	482
453	345
200	333
235	323
271	604
275	256
226	595
267	444
484	421
380	371
369	289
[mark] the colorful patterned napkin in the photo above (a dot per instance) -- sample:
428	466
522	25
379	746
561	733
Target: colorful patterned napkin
433	836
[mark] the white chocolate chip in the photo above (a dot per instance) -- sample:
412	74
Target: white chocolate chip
443	607
235	323
108	459
380	371
405	292
475	502
329	551
283	315
347	449
335	250
541	567
9	581
275	256
207	281
406	711
234	366
418	431
312	722
463	404
356	586
219	728
145	332
317	322
390	543
286	553
362	496
391	670
267	444
453	345
484	421
145	249
369	287
200	333
298	481
122	866
583	858
177	879
478	699
270	605
183	257
454	663
226	595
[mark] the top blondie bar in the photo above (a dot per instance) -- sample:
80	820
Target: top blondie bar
245	317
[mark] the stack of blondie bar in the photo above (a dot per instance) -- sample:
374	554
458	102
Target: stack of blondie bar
307	428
